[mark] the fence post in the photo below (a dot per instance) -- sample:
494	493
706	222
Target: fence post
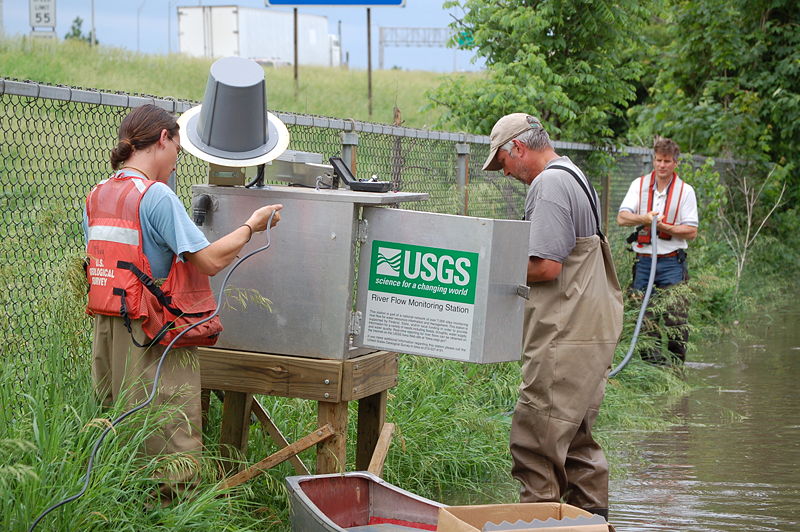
647	163
349	148
605	197
462	173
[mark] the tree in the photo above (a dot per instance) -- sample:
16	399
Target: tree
727	81
76	32
566	61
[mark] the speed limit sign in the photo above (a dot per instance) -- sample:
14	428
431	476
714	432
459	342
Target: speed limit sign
43	13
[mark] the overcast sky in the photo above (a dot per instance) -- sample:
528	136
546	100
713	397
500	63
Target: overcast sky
116	23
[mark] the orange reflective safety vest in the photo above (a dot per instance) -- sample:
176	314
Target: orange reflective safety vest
647	187
119	275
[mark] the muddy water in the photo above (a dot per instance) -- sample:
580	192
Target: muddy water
732	462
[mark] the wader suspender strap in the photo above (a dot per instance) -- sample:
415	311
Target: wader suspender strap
588	195
123	311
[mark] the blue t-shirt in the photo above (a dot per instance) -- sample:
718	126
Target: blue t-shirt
167	229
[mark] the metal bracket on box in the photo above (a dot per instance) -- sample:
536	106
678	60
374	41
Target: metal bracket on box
355	322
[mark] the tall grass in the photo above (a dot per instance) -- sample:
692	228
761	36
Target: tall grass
322	91
453	422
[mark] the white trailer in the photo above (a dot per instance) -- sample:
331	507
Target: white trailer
265	35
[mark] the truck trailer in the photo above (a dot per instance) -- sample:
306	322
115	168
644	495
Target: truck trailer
264	35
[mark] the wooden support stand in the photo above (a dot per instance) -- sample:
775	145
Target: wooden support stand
332	383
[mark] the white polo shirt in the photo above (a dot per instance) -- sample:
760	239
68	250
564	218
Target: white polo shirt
687	215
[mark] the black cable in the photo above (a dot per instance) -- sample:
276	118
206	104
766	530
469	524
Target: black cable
258	180
645	301
119	419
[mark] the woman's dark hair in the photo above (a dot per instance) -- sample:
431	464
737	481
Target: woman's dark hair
141	128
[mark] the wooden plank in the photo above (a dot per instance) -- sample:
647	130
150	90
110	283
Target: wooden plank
371	416
332	453
284	454
368	374
381	450
285	376
277	436
235	425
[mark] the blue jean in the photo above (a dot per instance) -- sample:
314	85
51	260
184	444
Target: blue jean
669	272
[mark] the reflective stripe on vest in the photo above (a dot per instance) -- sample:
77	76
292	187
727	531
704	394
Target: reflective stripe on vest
109	233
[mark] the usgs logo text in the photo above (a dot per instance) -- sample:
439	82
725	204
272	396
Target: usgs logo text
425	266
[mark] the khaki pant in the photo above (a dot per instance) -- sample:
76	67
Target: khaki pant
572	325
118	366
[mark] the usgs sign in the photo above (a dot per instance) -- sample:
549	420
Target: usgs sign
441	285
423	271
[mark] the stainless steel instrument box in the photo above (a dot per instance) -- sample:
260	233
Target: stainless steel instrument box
323	271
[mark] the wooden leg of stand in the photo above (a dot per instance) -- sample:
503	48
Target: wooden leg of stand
235	424
332	453
371	416
205	405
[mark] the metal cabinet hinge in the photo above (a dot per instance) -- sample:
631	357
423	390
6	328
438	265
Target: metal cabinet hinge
362	231
355	322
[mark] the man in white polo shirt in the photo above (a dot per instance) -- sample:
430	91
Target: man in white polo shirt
663	195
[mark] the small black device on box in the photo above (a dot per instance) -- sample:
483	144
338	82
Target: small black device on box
341	171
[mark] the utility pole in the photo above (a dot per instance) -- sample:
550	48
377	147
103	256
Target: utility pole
94	39
169	26
138	17
2	32
369	63
296	81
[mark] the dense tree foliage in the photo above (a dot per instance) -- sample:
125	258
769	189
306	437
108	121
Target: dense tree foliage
567	61
727	79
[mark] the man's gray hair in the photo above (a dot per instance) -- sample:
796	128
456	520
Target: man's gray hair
536	139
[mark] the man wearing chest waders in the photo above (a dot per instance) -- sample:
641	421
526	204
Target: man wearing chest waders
572	322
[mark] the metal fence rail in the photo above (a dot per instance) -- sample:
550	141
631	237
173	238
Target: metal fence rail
55	143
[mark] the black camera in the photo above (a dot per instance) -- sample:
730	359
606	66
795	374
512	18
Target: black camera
633	237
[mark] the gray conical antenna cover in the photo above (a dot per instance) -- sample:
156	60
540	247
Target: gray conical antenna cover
232	126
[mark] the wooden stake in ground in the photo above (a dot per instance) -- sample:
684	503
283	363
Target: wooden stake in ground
381	450
302	444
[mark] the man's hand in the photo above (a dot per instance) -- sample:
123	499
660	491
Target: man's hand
648	218
628	219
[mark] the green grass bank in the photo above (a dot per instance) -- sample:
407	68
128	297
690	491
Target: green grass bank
322	91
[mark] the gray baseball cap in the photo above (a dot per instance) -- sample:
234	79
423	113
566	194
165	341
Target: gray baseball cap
506	129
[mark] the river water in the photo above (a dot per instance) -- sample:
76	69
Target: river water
732	461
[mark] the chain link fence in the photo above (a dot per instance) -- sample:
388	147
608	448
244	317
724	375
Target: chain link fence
55	143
